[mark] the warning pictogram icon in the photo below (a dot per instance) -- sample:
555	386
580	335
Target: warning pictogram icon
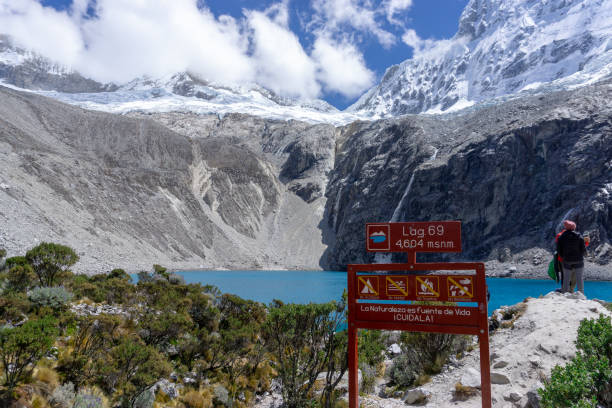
368	287
428	287
460	287
397	286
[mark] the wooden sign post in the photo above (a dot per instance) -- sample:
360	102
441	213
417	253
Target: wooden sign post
413	282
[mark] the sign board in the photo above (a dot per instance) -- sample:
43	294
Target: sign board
435	288
435	236
418	314
434	297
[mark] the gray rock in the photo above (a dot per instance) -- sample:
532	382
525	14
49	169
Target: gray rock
172	390
512	395
394	349
576	295
533	399
470	378
499	378
414	396
221	395
535	362
500	364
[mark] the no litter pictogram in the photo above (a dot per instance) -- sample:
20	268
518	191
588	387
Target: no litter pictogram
460	287
427	286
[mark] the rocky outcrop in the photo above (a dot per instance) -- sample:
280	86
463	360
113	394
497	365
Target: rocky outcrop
536	336
27	70
129	191
510	173
38	74
539	335
238	191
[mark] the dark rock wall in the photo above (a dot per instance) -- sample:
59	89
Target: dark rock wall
510	173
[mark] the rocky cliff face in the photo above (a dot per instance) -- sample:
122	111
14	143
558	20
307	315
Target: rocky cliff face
239	191
27	70
510	173
130	191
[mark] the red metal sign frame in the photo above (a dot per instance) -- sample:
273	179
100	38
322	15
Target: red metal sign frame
398	316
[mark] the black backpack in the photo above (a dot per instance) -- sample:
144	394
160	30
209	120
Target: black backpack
571	246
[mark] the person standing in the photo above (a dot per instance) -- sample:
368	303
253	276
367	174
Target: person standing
571	249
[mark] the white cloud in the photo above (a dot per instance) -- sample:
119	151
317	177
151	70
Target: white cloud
161	37
412	39
361	15
341	67
281	62
126	39
393	7
41	29
433	48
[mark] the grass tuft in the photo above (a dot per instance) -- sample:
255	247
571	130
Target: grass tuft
463	392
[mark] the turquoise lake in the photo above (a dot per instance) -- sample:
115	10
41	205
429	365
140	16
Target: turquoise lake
323	286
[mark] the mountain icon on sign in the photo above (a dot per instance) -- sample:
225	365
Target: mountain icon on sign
378	237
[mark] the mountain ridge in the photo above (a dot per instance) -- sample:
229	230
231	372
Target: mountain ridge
193	191
501	49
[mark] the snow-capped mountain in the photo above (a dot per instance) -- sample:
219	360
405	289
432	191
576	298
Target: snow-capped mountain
502	48
25	70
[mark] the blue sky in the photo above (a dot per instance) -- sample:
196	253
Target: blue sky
331	49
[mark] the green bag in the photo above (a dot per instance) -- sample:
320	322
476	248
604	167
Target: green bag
551	270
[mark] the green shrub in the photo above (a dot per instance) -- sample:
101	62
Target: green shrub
368	381
573	384
175	279
51	262
13	308
587	380
305	341
144	277
119	274
82	287
22	347
20	278
131	368
595	337
90	342
424	354
371	345
117	290
55	298
16	261
403	372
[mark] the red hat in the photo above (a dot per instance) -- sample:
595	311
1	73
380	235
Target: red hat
569	225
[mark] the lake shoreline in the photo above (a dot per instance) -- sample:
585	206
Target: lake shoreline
493	269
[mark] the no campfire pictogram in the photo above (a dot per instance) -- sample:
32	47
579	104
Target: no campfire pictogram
428	286
367	287
460	287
